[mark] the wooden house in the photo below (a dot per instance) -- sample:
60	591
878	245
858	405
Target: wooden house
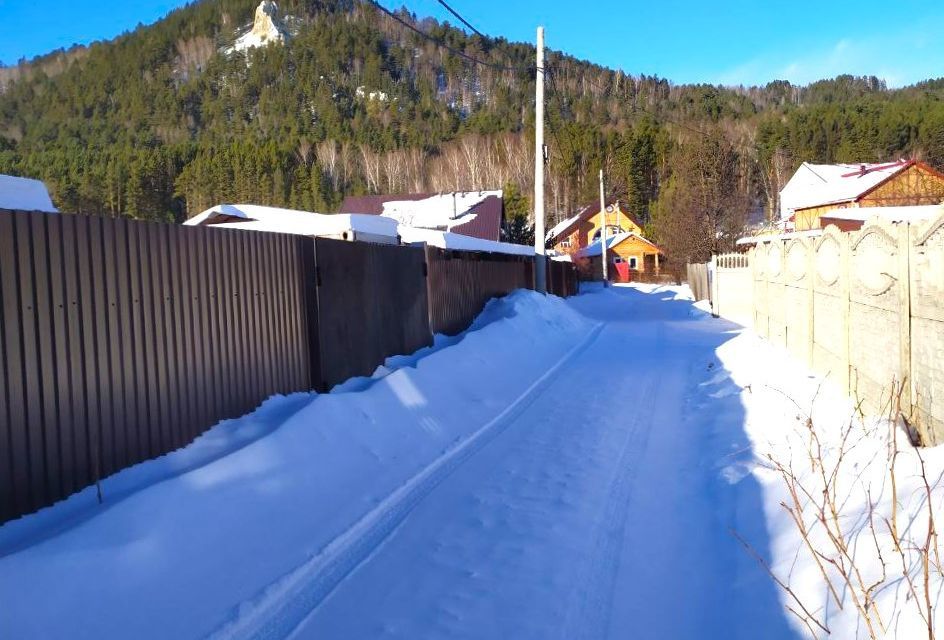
628	254
817	190
583	229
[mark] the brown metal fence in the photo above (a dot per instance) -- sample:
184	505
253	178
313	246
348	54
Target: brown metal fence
562	278
371	305
461	282
121	341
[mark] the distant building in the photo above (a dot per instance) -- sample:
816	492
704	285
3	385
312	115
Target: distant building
477	214
628	251
815	190
25	194
584	228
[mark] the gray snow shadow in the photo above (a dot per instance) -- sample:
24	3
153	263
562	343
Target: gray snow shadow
694	579
223	439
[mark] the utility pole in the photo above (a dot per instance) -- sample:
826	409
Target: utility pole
540	276
603	230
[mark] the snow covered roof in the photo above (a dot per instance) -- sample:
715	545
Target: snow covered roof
815	185
256	217
560	227
447	240
596	249
471	213
24	194
889	214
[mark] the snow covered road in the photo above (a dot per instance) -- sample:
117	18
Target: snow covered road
590	514
550	488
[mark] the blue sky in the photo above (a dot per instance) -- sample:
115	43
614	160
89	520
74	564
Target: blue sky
728	42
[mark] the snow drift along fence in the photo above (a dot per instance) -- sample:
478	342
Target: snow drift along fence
121	341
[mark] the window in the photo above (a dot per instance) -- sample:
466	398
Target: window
565	244
633	263
611	230
617	260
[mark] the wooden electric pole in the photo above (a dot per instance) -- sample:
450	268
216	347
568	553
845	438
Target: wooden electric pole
540	276
603	230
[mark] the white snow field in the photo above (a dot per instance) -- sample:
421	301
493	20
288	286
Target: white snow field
564	469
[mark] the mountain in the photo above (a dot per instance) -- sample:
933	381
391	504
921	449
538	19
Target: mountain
337	98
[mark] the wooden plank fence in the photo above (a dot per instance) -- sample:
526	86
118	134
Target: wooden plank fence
121	341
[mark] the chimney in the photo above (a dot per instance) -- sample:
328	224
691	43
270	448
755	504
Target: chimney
862	170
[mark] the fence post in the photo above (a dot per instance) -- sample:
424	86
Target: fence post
713	286
845	251
904	315
810	299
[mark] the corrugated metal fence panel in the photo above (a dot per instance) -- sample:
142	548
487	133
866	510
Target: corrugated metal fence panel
372	304
121	341
461	282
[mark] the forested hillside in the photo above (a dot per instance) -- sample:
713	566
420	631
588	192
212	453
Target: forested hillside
163	121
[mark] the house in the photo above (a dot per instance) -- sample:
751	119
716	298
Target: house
816	189
254	217
583	229
628	253
25	194
477	214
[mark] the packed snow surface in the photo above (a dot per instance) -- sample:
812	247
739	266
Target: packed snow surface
24	194
564	469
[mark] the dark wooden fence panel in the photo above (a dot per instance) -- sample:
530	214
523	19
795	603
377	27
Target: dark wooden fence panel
121	341
372	304
461	282
697	277
562	278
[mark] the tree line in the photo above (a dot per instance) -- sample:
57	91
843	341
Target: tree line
163	122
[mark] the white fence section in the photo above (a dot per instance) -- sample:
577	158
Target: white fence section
732	288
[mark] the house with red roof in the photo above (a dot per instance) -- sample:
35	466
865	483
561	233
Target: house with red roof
477	214
811	197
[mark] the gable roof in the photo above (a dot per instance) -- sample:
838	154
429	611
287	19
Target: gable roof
585	213
477	214
839	183
25	194
596	248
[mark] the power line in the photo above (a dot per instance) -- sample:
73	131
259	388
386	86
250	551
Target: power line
439	42
460	18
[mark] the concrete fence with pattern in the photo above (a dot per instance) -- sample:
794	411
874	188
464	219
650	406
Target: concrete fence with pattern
865	308
121	341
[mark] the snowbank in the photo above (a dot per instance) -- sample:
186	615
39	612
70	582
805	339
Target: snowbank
802	430
203	530
24	194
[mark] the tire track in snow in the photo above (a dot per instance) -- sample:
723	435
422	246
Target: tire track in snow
280	608
589	616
